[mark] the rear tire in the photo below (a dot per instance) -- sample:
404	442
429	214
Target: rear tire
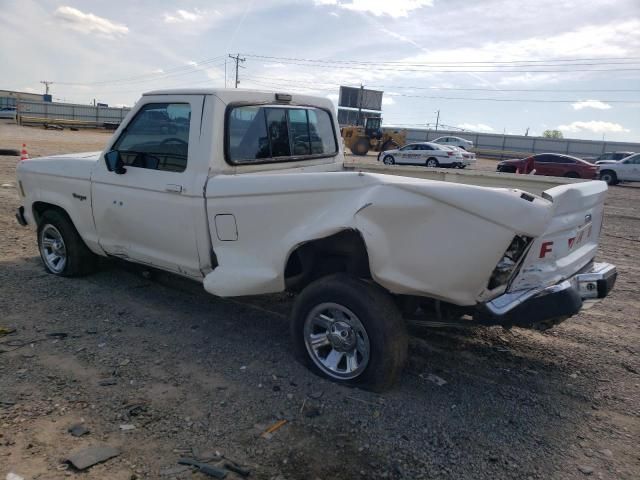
432	162
62	250
609	176
349	331
388	160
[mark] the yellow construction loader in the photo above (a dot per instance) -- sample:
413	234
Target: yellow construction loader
361	139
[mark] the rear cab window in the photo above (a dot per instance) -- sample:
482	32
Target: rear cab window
274	133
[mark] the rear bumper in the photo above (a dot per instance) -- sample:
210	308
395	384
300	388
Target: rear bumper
550	305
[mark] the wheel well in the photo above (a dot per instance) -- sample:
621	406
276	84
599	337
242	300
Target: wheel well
611	172
40	207
344	251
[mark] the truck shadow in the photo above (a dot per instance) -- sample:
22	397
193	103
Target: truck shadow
485	397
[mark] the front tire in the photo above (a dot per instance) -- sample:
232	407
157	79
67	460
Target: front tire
349	331
388	160
62	250
609	176
572	175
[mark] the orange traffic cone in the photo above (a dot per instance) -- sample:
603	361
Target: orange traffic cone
23	153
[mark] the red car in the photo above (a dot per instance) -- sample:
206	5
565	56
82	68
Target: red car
551	164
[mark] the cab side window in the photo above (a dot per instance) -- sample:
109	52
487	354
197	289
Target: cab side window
157	138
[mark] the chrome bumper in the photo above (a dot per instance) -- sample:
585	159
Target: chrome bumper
556	302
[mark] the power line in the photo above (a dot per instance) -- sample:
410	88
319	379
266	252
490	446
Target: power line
543	90
174	71
484	99
425	70
490	62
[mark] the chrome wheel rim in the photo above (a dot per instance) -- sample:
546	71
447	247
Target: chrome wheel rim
431	163
388	161
606	177
52	249
336	341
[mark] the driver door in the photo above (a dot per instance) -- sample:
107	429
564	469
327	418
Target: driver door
147	214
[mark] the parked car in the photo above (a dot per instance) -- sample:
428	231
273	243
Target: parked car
8	112
454	141
423	153
609	157
551	164
627	170
229	202
468	158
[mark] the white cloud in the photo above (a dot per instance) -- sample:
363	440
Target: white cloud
594	126
399	8
181	16
274	65
476	127
597	104
388	101
88	22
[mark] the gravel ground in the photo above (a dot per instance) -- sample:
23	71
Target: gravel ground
195	374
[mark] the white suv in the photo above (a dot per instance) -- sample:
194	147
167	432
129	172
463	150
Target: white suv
454	142
627	170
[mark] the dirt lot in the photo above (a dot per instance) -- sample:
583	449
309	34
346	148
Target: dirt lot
194	374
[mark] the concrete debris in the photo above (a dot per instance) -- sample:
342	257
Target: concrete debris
435	379
204	468
585	469
85	458
107	381
78	430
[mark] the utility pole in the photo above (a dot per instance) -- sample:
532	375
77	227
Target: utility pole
360	104
237	59
437	120
46	84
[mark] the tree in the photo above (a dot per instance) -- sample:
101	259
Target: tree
552	134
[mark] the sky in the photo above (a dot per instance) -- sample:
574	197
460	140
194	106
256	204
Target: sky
486	65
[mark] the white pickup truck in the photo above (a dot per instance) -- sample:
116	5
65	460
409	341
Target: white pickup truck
246	192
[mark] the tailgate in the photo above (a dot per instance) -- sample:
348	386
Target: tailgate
570	241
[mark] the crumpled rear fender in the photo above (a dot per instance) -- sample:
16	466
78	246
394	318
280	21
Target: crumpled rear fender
430	242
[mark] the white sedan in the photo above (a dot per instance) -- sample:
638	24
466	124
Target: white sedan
423	153
454	142
469	158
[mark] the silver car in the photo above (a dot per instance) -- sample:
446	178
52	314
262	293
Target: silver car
8	112
423	153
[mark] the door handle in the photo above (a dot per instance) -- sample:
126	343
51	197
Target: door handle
173	188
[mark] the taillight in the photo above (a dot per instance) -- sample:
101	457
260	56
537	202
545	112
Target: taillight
450	154
507	265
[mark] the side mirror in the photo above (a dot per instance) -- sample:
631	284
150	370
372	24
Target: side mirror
114	162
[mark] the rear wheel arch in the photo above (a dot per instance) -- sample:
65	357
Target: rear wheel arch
342	252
